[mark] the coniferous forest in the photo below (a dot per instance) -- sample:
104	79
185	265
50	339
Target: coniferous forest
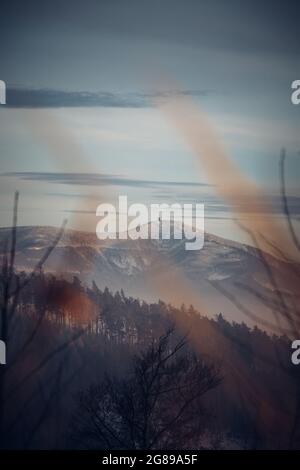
95	369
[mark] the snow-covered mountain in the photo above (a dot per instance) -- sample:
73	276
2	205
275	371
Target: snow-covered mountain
140	267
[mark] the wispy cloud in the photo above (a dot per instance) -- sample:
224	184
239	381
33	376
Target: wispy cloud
97	179
51	98
160	191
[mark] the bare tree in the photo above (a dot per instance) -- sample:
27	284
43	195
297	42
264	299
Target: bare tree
11	285
281	302
159	405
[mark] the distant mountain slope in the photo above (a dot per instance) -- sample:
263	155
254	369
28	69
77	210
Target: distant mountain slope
133	264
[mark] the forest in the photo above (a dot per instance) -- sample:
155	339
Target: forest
94	369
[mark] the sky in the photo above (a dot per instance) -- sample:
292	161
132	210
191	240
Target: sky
80	121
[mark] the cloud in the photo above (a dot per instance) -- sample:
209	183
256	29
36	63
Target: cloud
96	179
164	191
51	98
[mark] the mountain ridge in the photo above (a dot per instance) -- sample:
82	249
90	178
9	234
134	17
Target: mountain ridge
132	265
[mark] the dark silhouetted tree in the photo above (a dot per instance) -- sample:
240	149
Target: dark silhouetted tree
159	405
